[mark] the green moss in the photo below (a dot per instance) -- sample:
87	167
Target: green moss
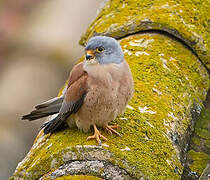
196	141
78	177
203	133
185	19
201	136
197	156
207	143
200	161
168	80
202	124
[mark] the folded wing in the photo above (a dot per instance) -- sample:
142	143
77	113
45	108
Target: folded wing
66	105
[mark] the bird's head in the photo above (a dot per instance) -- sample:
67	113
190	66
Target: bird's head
103	50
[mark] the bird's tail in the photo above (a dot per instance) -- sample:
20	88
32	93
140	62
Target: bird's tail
54	124
45	109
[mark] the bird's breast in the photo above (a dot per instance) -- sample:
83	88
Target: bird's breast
109	89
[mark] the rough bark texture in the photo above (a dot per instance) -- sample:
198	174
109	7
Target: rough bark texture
185	19
171	83
198	159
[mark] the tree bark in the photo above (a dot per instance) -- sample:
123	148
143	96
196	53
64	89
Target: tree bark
165	44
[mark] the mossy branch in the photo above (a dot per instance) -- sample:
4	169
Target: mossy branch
170	86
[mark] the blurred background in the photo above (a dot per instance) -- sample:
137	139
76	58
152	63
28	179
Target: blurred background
38	47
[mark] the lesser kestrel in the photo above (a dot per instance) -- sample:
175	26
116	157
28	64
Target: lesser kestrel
98	90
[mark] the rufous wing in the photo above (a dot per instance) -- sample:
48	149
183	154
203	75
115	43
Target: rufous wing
73	99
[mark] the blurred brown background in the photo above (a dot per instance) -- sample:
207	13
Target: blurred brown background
38	46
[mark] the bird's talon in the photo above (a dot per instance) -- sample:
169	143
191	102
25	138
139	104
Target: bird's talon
97	135
111	129
107	130
104	138
90	137
114	126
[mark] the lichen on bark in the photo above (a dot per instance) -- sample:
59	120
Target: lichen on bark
184	19
79	177
198	155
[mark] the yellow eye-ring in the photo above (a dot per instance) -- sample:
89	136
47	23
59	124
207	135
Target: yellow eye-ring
100	49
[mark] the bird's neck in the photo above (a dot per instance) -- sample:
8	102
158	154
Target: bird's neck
104	73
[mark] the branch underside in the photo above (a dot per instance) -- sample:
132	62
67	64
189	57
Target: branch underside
98	168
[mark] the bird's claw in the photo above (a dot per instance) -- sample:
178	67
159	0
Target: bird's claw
110	129
97	135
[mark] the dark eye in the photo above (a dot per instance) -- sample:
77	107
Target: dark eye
100	49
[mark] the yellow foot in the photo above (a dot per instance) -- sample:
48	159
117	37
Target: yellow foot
97	135
111	130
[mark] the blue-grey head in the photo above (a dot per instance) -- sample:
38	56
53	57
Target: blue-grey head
104	50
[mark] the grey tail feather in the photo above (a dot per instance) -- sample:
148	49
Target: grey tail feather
42	112
56	100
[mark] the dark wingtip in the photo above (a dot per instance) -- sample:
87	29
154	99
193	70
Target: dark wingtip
29	117
47	128
43	126
39	106
25	117
46	131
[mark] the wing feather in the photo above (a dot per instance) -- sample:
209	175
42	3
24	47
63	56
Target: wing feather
56	100
66	104
43	112
73	99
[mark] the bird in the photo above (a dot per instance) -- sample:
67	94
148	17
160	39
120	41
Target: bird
98	90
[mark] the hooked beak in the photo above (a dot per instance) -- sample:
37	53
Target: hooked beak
89	55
